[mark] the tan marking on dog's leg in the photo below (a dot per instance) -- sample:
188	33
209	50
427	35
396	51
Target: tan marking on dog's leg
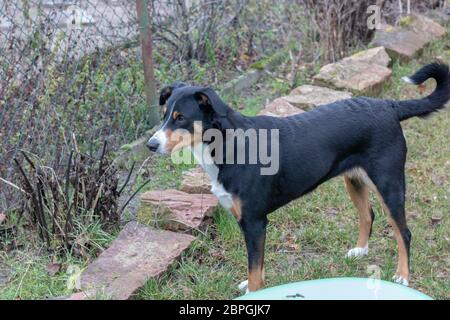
236	209
256	272
402	264
256	279
360	198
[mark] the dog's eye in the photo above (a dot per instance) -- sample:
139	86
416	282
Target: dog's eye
180	117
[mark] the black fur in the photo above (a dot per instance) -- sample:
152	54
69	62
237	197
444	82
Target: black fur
434	102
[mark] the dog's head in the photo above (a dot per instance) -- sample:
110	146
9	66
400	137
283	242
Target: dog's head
187	112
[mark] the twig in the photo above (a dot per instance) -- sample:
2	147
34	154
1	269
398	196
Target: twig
30	187
68	177
40	191
133	195
13	185
100	167
127	179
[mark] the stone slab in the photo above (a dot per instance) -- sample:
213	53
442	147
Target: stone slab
280	108
307	97
176	210
410	38
195	181
138	254
376	55
357	77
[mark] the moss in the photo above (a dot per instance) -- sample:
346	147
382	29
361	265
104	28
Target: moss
359	54
159	217
126	147
406	21
145	215
390	29
259	65
274	60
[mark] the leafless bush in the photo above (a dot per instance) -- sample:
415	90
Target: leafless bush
218	30
61	205
340	24
65	70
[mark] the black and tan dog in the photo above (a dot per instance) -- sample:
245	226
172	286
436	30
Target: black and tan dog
358	138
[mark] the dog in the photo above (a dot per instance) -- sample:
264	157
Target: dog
360	138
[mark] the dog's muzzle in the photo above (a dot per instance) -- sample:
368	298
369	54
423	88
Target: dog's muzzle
157	142
153	144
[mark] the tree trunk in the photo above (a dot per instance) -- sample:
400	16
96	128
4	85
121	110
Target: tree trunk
145	29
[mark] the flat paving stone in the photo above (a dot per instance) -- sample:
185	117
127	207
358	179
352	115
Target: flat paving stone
357	77
308	97
376	55
196	180
176	210
410	38
138	254
280	108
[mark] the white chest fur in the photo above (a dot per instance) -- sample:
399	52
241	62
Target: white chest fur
203	157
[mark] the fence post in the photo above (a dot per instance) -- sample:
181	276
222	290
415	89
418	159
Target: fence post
145	30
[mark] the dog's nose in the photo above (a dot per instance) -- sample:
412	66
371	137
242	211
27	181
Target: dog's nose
153	144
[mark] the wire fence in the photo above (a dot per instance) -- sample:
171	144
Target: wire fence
69	72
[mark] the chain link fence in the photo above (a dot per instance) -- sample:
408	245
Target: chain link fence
70	77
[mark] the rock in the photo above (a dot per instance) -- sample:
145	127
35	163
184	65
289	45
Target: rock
242	82
256	72
195	181
408	40
307	97
400	44
280	108
358	77
426	27
75	296
138	254
376	55
176	210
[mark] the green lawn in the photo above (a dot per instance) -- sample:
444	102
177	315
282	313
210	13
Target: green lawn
308	238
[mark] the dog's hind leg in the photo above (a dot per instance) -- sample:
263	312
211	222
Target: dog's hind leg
359	194
390	184
392	198
255	235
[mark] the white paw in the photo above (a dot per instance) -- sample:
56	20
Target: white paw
243	286
358	252
400	280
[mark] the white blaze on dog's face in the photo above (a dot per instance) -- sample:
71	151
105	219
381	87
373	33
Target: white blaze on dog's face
182	122
158	142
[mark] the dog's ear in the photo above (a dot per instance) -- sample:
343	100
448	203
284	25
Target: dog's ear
166	92
208	98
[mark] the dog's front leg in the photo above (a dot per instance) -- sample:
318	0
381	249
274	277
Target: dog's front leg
254	230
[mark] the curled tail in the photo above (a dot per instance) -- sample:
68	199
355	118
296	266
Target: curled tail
434	102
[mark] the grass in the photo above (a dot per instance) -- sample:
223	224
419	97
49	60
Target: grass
306	239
